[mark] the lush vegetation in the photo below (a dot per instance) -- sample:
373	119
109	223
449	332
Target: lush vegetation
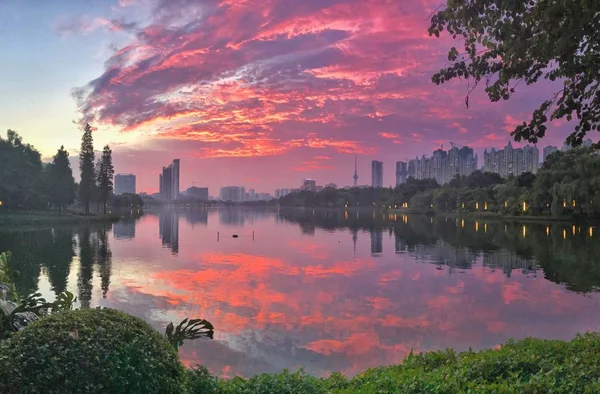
26	183
510	42
528	366
89	351
568	184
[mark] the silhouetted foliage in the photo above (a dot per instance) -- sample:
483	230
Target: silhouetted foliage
127	200
86	166
105	176
20	174
61	187
509	42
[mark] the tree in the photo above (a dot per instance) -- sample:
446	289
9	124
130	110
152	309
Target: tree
20	173
62	184
86	166
106	173
514	41
525	180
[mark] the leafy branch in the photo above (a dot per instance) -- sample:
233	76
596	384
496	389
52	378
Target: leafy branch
189	329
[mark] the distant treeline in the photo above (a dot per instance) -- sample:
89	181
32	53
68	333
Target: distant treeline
28	184
568	184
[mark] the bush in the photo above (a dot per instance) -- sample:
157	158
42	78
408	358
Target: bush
89	351
528	366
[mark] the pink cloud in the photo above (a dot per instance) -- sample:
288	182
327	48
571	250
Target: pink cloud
253	80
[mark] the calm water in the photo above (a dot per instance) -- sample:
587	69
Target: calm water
327	291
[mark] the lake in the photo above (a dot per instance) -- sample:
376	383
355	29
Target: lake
324	290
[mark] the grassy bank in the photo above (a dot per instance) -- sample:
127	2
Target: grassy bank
10	221
527	366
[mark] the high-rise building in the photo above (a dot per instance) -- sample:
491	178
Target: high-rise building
444	165
376	173
169	181
440	161
124	183
412	168
548	151
198	193
510	161
401	172
175	180
233	193
309	184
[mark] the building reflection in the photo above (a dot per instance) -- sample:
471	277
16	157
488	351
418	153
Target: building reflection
443	254
376	242
231	217
168	222
197	216
124	229
508	261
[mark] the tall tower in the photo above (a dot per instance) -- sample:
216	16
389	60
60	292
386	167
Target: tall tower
377	173
355	177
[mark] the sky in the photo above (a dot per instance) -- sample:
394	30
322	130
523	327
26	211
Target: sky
261	94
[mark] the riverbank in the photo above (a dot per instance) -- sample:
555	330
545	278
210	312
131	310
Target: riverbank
11	221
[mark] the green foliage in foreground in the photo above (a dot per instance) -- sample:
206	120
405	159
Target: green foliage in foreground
527	366
89	351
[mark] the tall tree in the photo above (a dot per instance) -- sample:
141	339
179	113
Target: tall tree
106	173
20	173
86	166
63	188
513	41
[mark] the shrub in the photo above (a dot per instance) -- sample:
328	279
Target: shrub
528	366
89	351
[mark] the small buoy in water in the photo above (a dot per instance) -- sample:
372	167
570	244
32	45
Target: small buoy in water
235	236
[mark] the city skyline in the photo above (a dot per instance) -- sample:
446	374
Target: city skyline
440	165
285	90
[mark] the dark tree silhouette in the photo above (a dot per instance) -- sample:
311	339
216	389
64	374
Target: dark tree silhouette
105	176
86	166
62	184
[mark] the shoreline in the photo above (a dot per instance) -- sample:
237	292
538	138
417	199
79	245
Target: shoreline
36	220
466	215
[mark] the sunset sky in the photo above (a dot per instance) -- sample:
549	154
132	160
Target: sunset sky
254	93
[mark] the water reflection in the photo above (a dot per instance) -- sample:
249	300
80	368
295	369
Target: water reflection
324	290
376	242
124	229
94	250
169	230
